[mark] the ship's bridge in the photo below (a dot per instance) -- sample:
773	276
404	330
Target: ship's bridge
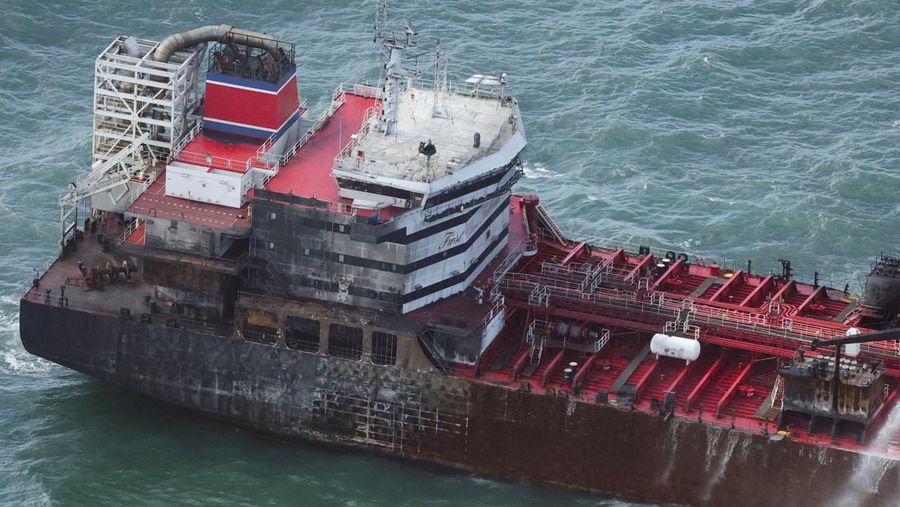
440	140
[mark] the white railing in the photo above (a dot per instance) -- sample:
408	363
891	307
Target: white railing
138	190
599	344
228	164
191	134
511	260
337	102
498	307
211	161
658	304
366	124
129	230
372	92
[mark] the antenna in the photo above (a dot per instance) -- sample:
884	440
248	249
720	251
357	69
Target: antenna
394	70
410	30
439	109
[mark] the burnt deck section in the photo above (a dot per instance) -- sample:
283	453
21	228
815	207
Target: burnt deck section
499	430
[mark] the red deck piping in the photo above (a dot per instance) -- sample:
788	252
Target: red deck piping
680	377
777	296
584	371
520	363
661	280
755	292
726	285
881	412
554	364
812	297
733	387
640	265
572	254
695	393
618	255
642	382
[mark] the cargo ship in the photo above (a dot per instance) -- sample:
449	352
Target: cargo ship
366	278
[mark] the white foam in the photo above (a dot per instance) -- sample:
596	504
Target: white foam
872	466
538	171
674	429
712	442
722	463
18	361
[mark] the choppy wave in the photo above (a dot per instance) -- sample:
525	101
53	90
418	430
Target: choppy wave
733	130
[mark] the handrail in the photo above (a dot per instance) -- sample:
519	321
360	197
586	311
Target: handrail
191	134
211	161
132	226
336	102
372	92
365	125
511	260
664	306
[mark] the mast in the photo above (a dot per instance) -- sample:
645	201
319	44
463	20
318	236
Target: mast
441	84
394	71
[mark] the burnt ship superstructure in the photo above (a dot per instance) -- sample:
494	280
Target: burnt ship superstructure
366	277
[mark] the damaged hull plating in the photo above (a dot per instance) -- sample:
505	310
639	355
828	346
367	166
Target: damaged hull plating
487	429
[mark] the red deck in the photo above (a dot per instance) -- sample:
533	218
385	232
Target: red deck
138	235
206	151
746	323
308	173
154	203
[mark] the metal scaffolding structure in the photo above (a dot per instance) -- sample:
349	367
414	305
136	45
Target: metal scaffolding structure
142	111
136	95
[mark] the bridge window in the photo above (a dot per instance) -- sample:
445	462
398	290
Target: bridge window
302	334
345	341
384	348
259	334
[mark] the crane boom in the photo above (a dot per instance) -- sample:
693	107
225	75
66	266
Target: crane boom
876	336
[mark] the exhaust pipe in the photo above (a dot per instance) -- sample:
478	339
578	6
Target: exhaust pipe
220	33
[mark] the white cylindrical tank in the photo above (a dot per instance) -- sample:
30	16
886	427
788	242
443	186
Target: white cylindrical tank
852	349
675	346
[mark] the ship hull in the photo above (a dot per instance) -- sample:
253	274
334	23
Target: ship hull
487	429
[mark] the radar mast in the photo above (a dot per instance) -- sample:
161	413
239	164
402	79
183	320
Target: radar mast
394	70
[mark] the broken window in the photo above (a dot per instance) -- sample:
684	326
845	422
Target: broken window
345	341
384	348
302	334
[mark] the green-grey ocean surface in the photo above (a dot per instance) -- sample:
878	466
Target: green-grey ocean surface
733	130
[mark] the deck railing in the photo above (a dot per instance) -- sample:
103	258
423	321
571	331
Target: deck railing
191	134
366	124
543	290
129	230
